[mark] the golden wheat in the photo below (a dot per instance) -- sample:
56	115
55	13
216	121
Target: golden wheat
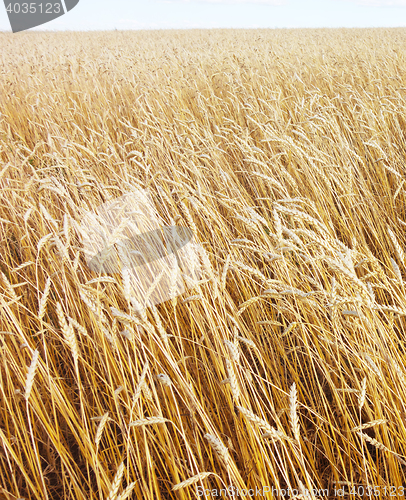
283	152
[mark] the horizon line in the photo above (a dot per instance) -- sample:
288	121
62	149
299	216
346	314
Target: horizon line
202	29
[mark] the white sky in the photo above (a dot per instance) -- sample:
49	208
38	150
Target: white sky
167	14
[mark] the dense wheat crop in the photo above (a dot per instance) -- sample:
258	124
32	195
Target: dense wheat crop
284	152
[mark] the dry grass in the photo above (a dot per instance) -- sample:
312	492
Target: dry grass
284	152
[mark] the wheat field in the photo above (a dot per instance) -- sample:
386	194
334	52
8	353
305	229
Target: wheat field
284	152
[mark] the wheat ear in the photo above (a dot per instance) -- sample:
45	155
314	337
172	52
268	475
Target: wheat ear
278	225
68	332
233	350
246	304
294	419
141	382
115	485
191	480
44	299
148	421
9	287
100	428
398	249
259	422
43	241
362	394
373	423
374	442
31	374
219	448
223	278
232	378
126	493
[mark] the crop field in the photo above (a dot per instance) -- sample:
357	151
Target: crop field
281	372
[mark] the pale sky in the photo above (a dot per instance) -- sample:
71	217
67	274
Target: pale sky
168	14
